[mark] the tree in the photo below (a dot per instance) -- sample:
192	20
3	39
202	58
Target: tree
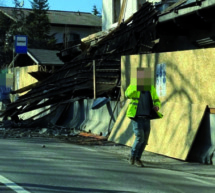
95	11
18	26
40	6
5	53
38	26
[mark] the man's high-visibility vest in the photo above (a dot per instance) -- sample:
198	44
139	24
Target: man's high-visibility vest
132	93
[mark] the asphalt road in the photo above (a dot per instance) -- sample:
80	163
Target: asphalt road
27	167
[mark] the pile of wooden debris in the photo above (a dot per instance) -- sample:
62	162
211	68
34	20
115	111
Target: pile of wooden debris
91	70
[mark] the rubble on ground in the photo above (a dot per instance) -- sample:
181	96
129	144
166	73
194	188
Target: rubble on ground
53	131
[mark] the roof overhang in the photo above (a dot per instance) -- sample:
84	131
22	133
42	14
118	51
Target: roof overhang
7	15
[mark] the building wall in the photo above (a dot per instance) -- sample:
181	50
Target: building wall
109	8
22	78
188	87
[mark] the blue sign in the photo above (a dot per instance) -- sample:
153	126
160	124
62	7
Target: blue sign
21	44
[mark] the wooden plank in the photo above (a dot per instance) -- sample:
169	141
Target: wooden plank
122	12
24	89
94	78
212	110
113	31
94	36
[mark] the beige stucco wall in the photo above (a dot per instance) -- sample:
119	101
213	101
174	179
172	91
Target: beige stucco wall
22	78
189	88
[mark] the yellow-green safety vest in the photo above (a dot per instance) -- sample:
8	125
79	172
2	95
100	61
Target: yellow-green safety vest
132	93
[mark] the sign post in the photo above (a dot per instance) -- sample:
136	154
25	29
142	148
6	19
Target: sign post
20	47
21	43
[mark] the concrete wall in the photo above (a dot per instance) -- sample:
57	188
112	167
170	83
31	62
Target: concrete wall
80	116
98	121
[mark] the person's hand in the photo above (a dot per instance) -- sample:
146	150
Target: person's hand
156	108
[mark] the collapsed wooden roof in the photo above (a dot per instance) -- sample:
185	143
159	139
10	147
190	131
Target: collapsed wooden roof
74	81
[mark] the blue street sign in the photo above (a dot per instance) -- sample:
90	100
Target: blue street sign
21	44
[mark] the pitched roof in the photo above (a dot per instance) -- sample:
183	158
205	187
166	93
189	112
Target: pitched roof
63	17
45	57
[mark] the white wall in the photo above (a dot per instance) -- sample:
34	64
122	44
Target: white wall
107	11
107	14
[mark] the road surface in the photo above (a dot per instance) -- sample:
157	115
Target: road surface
28	167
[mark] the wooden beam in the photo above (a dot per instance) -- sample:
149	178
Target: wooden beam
113	31
21	90
94	36
122	12
212	110
94	78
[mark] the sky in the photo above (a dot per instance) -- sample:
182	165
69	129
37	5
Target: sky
63	5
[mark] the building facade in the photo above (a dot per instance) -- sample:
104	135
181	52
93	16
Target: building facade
111	11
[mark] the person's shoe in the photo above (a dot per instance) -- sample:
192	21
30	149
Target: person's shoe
131	160
139	163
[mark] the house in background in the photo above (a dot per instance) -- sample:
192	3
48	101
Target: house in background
69	27
33	67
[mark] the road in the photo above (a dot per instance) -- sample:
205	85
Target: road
27	167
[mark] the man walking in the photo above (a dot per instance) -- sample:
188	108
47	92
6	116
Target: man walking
143	107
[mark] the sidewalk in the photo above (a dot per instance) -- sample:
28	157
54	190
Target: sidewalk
159	161
149	159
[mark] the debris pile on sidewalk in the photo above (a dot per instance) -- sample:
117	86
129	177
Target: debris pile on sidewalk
54	131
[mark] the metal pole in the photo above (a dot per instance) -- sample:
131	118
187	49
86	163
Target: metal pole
94	78
13	52
13	98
